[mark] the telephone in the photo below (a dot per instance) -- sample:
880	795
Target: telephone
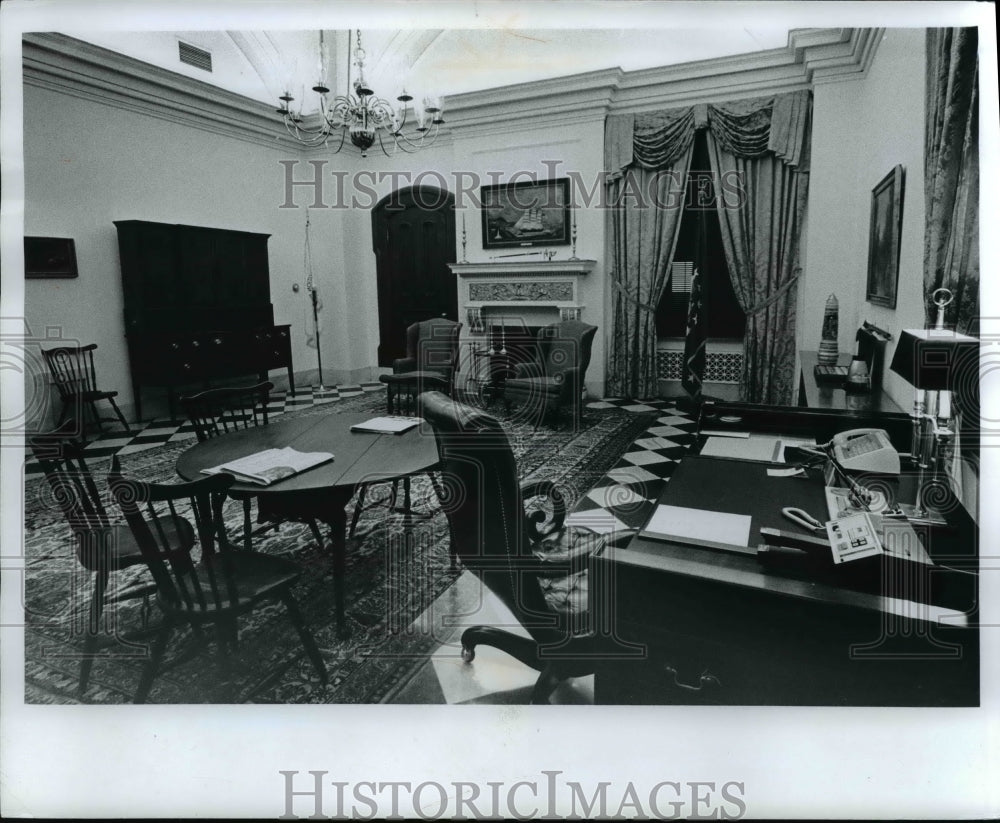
867	450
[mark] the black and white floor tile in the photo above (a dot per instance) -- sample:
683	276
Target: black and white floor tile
164	430
624	498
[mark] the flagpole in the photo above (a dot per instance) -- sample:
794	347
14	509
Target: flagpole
314	297
319	356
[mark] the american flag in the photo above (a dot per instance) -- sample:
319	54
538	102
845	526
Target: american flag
694	341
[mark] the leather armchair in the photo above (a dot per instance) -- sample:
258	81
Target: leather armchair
555	379
539	569
431	362
431	346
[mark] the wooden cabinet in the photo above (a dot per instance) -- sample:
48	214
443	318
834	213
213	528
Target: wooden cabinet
197	306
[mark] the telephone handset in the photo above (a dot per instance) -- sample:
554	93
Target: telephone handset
866	450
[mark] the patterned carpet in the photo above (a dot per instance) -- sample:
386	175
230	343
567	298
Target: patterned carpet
391	577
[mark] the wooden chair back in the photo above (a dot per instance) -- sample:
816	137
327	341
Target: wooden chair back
72	370
219	411
150	509
72	486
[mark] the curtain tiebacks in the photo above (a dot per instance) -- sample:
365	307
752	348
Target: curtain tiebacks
775	296
628	295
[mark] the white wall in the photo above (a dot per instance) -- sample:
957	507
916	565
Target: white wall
485	158
861	130
88	164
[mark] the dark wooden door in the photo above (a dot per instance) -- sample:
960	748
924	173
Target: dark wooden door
413	235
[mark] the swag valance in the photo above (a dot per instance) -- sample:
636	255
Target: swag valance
745	128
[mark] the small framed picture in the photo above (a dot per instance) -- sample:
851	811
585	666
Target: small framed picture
528	213
49	257
883	239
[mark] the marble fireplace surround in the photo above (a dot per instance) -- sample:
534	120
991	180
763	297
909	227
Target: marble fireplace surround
514	293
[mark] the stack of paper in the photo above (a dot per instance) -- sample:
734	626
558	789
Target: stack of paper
387	425
271	465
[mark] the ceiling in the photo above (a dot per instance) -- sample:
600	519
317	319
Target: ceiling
262	64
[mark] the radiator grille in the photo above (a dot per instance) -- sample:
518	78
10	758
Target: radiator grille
720	367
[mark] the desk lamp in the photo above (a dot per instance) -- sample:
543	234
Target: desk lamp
931	361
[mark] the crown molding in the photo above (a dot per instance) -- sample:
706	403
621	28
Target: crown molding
811	56
65	64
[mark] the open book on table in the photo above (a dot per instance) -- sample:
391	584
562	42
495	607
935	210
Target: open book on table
271	465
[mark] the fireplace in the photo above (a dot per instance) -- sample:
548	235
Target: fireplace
506	347
503	304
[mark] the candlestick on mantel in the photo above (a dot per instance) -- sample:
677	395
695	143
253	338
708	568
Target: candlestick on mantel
574	257
463	240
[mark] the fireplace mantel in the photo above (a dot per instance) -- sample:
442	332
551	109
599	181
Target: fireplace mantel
522	268
525	290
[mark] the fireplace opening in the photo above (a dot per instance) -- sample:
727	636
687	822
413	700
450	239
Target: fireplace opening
505	347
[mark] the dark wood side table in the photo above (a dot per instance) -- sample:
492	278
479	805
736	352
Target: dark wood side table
831	396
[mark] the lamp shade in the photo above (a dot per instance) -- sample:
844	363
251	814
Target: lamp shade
935	359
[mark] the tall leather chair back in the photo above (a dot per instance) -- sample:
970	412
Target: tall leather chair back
482	500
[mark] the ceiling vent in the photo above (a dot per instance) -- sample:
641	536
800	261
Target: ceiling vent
193	56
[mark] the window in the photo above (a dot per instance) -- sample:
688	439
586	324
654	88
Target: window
699	246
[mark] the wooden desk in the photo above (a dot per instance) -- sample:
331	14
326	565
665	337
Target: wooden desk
721	627
831	396
358	458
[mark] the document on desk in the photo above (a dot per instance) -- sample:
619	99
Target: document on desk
702	528
754	447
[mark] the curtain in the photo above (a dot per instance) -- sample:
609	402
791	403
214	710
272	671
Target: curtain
951	173
645	219
765	139
760	238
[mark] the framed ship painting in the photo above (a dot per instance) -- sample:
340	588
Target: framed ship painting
526	214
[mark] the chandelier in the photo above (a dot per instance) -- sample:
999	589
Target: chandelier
361	116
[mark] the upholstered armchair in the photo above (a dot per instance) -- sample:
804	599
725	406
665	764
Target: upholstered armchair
431	362
555	379
537	568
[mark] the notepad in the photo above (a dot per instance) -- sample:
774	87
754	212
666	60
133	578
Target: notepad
271	465
703	528
387	425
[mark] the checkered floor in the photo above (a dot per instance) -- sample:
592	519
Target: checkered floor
625	496
164	430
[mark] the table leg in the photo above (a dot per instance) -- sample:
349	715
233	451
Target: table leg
336	520
339	567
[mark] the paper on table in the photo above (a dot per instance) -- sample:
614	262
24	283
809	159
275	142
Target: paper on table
699	526
387	425
752	448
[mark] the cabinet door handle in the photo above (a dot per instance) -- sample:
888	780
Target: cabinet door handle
706	680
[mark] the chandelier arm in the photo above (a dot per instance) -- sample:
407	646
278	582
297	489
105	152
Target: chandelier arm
426	139
343	134
382	145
